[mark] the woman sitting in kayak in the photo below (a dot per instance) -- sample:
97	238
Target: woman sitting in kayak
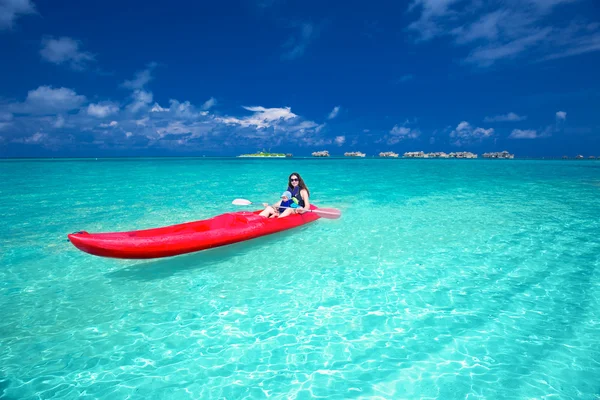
284	207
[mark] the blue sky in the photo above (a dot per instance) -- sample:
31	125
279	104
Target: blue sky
222	78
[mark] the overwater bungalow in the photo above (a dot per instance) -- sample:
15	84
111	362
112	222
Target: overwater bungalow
503	154
415	154
354	154
463	154
437	155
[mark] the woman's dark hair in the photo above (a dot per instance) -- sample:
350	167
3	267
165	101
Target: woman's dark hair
301	183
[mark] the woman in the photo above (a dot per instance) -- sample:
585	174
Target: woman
300	195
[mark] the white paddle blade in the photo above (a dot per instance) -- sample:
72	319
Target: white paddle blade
241	202
330	213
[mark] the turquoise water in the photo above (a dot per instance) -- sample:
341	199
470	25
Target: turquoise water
447	279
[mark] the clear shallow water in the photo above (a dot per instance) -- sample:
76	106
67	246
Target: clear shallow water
443	279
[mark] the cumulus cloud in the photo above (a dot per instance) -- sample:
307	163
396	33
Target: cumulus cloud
141	99
334	113
399	133
141	78
11	9
464	133
47	100
340	140
523	134
561	115
510	117
65	50
142	124
210	103
111	124
157	108
405	132
262	117
60	122
102	110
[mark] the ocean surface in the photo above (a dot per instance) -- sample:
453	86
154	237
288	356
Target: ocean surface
449	279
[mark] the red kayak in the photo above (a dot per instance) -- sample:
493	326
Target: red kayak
188	237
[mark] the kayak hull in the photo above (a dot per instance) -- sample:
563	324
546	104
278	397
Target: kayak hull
188	237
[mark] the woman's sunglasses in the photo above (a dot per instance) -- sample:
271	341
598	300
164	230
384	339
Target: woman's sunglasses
294	180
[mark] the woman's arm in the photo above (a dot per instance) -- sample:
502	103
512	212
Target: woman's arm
304	195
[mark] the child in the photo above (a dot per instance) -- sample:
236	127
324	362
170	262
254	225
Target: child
279	208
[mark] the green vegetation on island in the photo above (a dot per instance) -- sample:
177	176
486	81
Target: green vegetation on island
263	154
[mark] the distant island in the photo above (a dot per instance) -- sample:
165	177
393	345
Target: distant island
264	154
323	153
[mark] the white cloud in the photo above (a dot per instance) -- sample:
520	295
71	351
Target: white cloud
142	122
185	110
523	134
401	132
65	50
157	108
112	124
574	40
505	30
340	140
510	117
60	122
485	56
487	27
561	116
141	78
428	25
334	113
11	9
47	100
102	110
174	128
182	126
296	45
464	133
405	132
262	117
208	104
36	138
141	99
5	116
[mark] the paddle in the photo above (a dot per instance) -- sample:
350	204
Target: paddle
331	213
